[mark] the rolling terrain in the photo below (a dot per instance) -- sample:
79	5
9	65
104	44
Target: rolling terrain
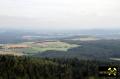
95	45
56	56
29	48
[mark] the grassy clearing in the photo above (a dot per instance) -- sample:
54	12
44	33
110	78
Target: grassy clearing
10	53
35	47
87	39
115	59
60	46
42	47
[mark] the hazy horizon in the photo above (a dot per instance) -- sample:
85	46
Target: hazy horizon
60	15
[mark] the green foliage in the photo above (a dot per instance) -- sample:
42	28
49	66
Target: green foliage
12	67
99	50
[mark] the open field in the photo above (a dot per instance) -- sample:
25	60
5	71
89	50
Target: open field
15	46
37	47
49	45
86	39
115	59
56	45
10	53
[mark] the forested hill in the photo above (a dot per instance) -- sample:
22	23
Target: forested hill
12	67
96	50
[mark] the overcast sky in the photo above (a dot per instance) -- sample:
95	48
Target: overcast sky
60	14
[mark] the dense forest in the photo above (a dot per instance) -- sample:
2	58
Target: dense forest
95	50
14	67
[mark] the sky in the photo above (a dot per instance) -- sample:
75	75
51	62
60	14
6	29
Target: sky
59	14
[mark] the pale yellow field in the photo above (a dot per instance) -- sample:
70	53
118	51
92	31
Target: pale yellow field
87	39
10	53
35	47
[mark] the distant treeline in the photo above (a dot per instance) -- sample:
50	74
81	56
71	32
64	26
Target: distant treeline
12	67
